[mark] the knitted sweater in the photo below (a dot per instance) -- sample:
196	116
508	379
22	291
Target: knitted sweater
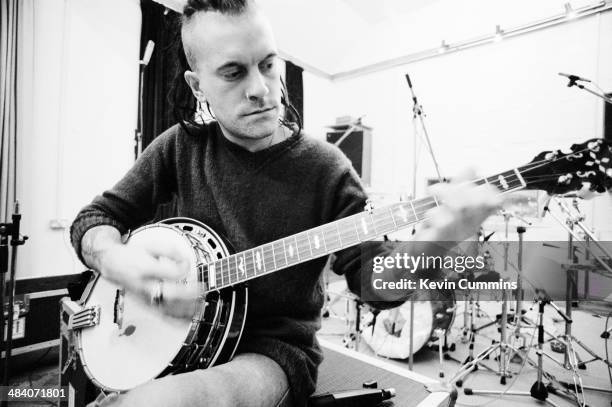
251	198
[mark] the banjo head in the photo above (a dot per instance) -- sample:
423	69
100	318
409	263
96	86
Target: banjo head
121	357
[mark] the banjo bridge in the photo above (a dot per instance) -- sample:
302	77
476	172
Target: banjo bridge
85	318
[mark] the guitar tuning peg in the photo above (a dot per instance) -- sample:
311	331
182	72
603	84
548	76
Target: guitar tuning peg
369	206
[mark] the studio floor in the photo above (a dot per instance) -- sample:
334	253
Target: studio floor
588	325
41	368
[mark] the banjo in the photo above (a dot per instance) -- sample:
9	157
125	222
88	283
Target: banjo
123	342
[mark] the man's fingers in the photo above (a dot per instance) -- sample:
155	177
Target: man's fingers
173	298
164	268
180	254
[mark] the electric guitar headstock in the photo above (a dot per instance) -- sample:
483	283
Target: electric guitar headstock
588	166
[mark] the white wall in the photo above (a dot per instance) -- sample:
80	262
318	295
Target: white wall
492	107
79	76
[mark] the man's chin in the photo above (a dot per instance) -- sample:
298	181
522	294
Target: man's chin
261	130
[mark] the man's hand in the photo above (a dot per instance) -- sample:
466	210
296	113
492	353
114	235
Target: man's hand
150	269
464	207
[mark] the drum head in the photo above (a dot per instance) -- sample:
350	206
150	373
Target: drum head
122	358
391	336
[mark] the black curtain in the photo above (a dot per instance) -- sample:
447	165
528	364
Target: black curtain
295	86
159	25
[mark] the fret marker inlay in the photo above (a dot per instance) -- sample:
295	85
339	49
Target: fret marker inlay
212	280
258	261
317	244
403	214
364	226
241	266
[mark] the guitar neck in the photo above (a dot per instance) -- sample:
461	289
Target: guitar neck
332	237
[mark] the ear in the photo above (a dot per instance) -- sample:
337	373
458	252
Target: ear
194	83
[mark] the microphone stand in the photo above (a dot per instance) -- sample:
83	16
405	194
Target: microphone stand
417	113
144	62
9	230
573	81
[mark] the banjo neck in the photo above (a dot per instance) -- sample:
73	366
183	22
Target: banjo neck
332	237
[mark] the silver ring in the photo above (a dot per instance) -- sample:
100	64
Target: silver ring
157	294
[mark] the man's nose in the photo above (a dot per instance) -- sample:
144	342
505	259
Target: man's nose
256	87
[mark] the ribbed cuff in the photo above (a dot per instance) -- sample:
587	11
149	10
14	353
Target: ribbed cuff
87	220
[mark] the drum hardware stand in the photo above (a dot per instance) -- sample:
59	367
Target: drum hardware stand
578	221
352	336
472	363
442	354
326	311
474	310
518	311
448	348
9	231
567	338
538	390
506	350
469	309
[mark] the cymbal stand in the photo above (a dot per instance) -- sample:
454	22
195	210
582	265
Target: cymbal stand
538	390
571	358
518	310
472	363
471	307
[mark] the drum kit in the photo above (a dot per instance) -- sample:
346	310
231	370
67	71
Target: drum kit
399	332
388	333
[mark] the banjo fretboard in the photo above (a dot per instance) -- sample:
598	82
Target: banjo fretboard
332	237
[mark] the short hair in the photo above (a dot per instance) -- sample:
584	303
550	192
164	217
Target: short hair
228	7
184	104
231	7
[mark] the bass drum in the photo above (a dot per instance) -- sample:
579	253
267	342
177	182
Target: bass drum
390	335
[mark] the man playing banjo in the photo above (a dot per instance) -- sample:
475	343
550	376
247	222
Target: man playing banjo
254	177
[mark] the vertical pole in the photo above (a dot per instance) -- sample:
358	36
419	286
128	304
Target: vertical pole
411	350
569	295
519	283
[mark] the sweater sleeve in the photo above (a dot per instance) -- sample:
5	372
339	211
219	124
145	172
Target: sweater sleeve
355	262
134	199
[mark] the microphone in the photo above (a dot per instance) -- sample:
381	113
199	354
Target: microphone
574	78
416	108
147	53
